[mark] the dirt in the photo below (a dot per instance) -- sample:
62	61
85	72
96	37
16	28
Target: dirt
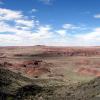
73	67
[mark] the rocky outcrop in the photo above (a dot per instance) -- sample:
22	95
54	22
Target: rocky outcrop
33	68
10	81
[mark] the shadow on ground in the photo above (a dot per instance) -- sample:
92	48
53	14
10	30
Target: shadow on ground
96	98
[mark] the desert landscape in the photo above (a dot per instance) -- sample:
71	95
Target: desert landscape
49	49
49	72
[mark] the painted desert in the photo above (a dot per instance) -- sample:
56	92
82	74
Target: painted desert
49	73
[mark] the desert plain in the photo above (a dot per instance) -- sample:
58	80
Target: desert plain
49	73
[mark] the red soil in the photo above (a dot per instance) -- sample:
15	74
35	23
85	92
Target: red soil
30	68
89	71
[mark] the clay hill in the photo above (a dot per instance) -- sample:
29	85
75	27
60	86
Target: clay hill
48	73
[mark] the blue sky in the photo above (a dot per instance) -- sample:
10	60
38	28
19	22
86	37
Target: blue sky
50	22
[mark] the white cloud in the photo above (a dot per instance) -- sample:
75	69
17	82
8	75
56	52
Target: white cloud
7	14
46	1
97	16
91	36
26	37
23	31
34	10
67	26
62	32
18	29
43	32
28	23
70	26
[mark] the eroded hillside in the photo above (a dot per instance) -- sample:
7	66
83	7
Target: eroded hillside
69	73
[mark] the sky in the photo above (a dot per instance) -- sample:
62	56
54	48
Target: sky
50	22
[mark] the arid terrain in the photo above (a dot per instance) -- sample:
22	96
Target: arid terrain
49	73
